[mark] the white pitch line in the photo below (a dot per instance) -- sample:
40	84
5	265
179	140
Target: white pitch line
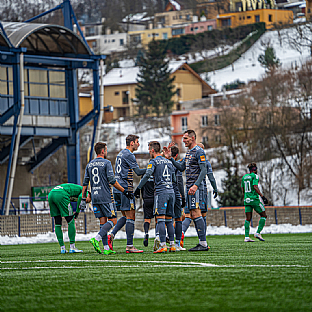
159	263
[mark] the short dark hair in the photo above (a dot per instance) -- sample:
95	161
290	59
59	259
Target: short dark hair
155	146
131	138
174	151
98	147
190	133
252	167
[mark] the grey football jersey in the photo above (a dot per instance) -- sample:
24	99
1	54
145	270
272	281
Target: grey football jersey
125	163
97	172
163	171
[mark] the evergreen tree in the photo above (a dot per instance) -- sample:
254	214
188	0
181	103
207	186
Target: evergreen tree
232	195
154	91
269	60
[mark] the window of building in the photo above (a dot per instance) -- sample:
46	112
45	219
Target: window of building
201	27
210	27
116	92
218	138
204	122
269	118
188	17
253	117
105	41
178	31
184	123
270	18
113	40
191	28
248	17
165	36
180	17
205	141
196	28
217	120
121	42
178	106
93	44
179	93
156	35
257	18
87	138
226	22
108	40
125	97
136	38
148	35
240	18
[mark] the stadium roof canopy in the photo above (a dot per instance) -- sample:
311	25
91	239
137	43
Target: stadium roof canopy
44	39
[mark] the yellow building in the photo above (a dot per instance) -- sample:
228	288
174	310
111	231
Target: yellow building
270	17
120	84
308	9
144	37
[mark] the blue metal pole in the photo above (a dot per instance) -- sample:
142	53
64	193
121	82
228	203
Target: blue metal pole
85	222
19	226
275	212
52	224
67	14
225	223
60	6
300	218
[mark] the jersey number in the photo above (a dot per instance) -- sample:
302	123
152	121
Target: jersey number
95	175
247	186
166	174
118	166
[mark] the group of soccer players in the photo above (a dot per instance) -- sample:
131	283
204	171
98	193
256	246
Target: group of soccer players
161	188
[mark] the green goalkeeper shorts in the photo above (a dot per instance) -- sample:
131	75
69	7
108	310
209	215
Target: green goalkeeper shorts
257	206
59	203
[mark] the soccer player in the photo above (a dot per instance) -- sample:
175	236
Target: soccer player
179	203
194	164
204	202
163	172
99	172
124	167
59	202
251	192
147	193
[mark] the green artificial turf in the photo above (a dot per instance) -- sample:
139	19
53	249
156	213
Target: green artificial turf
275	275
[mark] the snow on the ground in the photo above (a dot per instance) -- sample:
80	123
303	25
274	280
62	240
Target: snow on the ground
211	230
248	68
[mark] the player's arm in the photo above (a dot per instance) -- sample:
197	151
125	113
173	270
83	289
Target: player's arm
265	201
139	171
180	165
180	185
201	177
147	175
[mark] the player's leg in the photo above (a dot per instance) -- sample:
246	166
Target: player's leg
261	211
248	213
120	223
169	221
103	220
56	214
203	207
160	212
72	234
148	215
187	219
178	223
157	239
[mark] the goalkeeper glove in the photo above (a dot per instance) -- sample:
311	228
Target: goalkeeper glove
83	205
76	214
137	193
215	194
128	194
265	201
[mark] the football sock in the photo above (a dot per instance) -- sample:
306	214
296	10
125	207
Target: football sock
185	224
59	234
130	231
104	230
72	246
106	247
101	225
156	230
146	227
170	229
72	231
200	228
120	224
247	224
178	231
261	224
63	247
162	230
205	221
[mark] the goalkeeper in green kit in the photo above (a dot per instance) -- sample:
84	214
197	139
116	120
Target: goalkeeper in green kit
59	201
252	201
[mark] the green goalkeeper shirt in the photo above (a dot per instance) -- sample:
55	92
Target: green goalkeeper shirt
248	182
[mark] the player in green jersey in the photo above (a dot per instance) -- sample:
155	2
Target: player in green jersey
59	201
251	192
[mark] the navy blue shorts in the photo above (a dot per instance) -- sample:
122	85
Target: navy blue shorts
164	205
198	200
105	210
123	203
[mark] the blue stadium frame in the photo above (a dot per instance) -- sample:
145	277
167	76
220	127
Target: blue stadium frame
65	136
